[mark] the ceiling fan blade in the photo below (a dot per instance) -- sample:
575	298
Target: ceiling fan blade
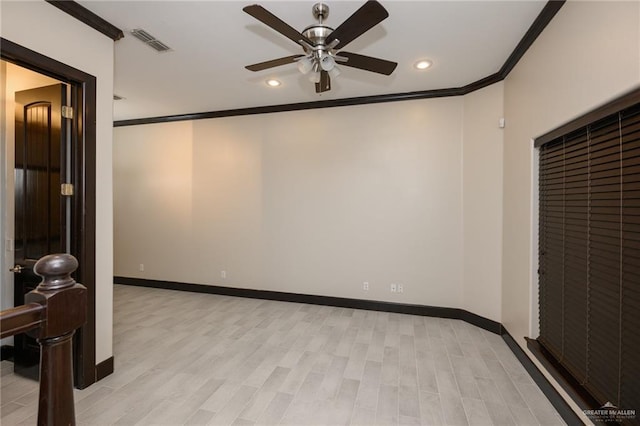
325	82
273	63
369	15
368	63
268	18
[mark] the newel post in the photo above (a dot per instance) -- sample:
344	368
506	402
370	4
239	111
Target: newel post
65	303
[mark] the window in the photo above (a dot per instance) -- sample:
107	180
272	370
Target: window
589	250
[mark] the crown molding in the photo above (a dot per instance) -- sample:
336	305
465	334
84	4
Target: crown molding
88	17
542	20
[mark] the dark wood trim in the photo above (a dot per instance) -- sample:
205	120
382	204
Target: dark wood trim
542	20
363	100
342	302
104	368
88	17
577	392
21	319
625	101
84	225
480	321
482	83
27	58
561	406
544	17
83	206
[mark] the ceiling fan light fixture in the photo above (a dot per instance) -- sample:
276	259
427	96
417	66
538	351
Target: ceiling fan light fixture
423	64
327	62
334	72
305	65
272	82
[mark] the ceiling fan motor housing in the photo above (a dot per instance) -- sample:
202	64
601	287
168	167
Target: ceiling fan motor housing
317	33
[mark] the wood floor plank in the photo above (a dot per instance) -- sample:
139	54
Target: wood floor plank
367	397
476	412
208	359
200	417
276	409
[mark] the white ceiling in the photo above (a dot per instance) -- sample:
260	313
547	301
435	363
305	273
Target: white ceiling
212	41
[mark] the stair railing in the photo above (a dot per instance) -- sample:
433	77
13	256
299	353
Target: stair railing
51	314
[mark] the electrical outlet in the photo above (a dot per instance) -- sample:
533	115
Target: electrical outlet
394	288
141	267
365	286
400	288
223	274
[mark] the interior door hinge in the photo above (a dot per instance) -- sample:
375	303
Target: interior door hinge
66	189
67	112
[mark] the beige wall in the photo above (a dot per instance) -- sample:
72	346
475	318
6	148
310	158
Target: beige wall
482	201
47	30
589	54
313	202
152	199
318	202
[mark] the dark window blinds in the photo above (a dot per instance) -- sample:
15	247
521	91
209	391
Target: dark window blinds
589	256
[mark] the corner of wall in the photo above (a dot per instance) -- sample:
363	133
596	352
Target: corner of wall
482	201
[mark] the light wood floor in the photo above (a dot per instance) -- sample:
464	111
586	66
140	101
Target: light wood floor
191	358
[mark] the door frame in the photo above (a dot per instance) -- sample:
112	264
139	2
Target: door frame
83	205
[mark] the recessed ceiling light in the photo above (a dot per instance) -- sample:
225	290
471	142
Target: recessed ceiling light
273	83
423	65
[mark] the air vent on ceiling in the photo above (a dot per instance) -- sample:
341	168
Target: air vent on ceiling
149	40
159	46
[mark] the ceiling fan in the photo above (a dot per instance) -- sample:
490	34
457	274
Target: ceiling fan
322	44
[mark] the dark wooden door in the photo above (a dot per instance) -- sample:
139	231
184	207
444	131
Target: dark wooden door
40	210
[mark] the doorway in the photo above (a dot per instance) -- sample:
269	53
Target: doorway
73	228
40	169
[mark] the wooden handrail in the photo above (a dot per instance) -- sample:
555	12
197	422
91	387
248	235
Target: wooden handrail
52	313
20	319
